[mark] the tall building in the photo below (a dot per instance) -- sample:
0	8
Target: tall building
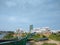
31	27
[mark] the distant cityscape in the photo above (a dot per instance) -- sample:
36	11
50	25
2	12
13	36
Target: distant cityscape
36	30
34	34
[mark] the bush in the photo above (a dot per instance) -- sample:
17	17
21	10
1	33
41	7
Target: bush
55	37
8	36
43	36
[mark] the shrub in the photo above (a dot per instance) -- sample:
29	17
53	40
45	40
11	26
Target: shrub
55	37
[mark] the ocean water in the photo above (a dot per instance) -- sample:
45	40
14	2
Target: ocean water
1	36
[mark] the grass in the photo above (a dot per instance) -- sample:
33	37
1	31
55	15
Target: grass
36	37
55	37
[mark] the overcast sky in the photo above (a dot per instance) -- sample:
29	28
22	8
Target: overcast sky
21	13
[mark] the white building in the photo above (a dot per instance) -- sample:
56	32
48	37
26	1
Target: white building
18	33
41	30
55	31
19	30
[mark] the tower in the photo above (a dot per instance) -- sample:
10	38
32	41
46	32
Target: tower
31	28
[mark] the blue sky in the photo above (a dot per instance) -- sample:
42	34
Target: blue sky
21	13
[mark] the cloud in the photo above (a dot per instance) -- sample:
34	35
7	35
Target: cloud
10	4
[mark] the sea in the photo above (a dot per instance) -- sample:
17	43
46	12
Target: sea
2	35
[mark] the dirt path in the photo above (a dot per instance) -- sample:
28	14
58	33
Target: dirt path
49	41
53	41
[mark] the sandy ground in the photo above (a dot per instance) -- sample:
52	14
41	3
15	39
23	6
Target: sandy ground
49	41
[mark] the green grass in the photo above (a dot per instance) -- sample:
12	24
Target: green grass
36	37
55	37
8	36
49	44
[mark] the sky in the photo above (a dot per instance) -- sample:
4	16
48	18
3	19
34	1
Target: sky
22	13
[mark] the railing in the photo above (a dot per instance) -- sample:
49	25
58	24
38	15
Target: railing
17	42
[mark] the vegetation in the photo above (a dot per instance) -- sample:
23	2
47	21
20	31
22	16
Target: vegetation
23	34
55	37
49	44
9	36
43	36
36	37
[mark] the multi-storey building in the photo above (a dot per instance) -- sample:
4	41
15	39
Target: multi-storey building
44	30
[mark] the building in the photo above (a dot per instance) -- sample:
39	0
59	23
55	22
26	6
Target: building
40	30
44	30
30	28
55	31
18	33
